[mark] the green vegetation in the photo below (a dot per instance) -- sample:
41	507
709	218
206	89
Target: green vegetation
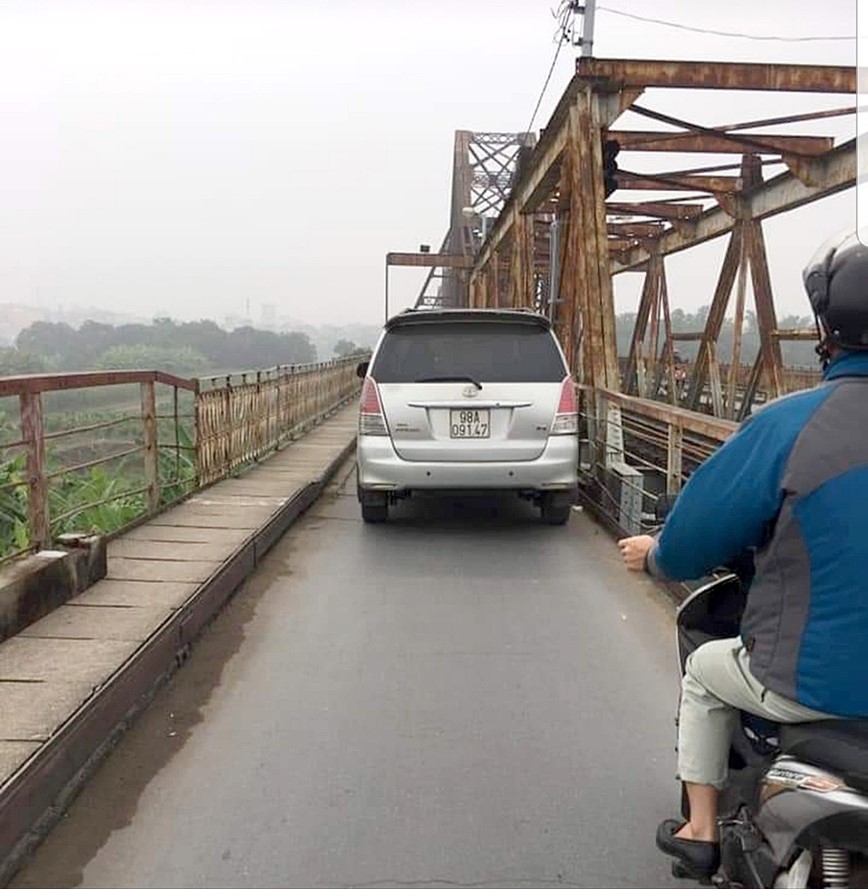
102	498
13	506
345	348
189	348
795	354
179	360
202	348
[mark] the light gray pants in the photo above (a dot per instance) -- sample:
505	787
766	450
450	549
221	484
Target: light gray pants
717	684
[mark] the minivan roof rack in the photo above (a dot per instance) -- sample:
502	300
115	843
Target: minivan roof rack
520	314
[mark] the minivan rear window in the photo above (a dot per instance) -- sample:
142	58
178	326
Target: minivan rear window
488	352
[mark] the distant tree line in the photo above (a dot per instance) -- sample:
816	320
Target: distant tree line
190	348
795	354
346	348
202	347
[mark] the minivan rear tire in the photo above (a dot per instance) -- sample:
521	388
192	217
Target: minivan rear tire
375	513
374	504
554	511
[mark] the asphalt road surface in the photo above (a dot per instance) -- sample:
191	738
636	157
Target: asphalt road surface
461	697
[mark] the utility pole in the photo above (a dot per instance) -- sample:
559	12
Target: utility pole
386	288
588	27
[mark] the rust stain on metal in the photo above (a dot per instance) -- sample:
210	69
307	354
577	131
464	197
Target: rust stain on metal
149	429
16	385
33	433
676	182
720	143
721	75
430	260
635	229
655	208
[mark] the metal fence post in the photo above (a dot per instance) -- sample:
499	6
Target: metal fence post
152	454
229	433
33	433
197	433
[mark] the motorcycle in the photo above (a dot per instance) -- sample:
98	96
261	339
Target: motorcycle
794	811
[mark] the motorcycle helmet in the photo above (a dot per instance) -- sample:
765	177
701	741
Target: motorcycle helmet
836	280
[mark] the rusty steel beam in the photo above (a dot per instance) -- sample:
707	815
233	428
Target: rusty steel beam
620	244
656	208
543	169
674	182
33	383
631	381
720	143
809	335
791	118
749	142
535	187
431	260
635	229
784	192
725	168
765	308
152	447
743	125
668	346
706	360
721	75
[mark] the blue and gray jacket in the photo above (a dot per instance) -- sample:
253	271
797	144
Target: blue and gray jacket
792	482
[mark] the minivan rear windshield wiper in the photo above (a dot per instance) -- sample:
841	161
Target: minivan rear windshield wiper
452	379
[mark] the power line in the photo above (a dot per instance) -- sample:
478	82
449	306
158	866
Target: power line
681	27
545	87
562	35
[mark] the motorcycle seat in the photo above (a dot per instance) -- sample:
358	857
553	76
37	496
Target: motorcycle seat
839	745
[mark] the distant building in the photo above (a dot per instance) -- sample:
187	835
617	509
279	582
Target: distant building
268	316
233	322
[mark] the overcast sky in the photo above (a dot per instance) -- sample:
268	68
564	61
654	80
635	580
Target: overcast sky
172	157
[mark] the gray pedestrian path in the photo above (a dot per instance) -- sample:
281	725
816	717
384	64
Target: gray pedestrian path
52	668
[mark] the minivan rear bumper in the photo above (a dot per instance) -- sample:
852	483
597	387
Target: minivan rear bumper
381	469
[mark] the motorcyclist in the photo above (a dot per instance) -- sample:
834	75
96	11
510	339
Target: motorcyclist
792	484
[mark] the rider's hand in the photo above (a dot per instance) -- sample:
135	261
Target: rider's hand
635	549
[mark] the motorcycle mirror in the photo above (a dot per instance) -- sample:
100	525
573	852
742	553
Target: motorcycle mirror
664	505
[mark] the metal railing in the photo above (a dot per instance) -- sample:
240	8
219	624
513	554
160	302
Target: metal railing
102	451
635	449
242	417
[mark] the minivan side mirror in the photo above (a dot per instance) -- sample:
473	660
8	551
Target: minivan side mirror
362	369
663	506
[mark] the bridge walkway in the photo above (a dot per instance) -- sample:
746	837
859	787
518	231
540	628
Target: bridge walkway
71	676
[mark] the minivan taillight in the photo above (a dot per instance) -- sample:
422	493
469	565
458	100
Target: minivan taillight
566	420
371	419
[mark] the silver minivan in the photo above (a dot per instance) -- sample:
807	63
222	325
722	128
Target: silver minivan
468	401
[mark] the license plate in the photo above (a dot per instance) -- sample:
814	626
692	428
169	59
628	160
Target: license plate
469	424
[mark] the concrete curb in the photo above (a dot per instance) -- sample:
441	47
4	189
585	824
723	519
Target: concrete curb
35	797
